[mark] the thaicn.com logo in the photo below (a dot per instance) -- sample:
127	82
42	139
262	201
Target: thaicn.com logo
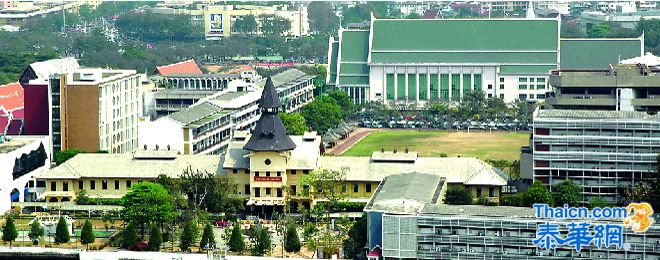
601	227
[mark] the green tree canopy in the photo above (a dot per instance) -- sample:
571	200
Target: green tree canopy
246	24
458	195
357	238
599	202
567	192
36	230
129	236
87	233
145	203
291	239
274	24
188	235
208	238
64	155
356	14
62	232
155	238
537	193
322	113
322	18
236	240
262	243
9	232
294	123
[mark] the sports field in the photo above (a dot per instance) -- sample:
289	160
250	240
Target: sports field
485	145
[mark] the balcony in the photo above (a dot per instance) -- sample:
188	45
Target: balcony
645	102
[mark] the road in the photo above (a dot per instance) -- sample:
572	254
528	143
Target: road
353	138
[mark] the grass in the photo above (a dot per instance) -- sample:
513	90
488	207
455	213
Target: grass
485	145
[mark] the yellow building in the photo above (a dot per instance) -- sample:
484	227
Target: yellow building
219	19
111	175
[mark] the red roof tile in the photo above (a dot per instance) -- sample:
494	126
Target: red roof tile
184	67
4	122
18	114
11	89
11	103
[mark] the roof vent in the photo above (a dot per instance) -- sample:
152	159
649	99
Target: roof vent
145	147
157	147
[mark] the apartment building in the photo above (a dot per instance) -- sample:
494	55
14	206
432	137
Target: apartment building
219	20
95	109
406	219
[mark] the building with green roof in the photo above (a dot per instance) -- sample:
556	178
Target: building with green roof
414	61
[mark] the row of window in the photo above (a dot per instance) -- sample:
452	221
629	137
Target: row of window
491	192
530	96
256	173
294	190
92	185
439	85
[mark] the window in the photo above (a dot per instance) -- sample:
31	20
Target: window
531	96
104	184
343	188
501	86
267	191
257	192
128	184
116	184
490	86
540	80
521	80
306	171
247	189
540	86
502	80
491	192
279	174
531	80
367	187
306	189
293	172
540	96
256	174
267	174
356	188
279	192
92	184
522	96
522	86
502	96
478	192
234	171
53	186
65	186
293	190
490	95
81	185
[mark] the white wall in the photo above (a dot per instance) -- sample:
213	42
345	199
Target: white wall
161	132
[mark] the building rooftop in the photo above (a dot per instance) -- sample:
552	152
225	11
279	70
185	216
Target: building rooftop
406	193
594	114
11	89
204	76
283	79
92	165
184	67
478	211
95	76
579	53
195	113
305	156
269	133
466	170
39	72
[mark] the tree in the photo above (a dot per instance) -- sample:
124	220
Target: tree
292	242
262	243
322	18
294	123
155	238
571	29
36	231
87	234
62	232
599	202
356	14
343	100
147	202
236	241
274	24
357	238
600	30
328	185
322	114
413	16
208	238
537	193
129	236
246	24
64	155
188	235
567	192
9	232
458	195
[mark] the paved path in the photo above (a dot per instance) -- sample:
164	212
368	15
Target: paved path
353	138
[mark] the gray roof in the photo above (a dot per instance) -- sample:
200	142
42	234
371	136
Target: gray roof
465	170
194	113
595	114
280	80
269	133
478	210
92	165
406	193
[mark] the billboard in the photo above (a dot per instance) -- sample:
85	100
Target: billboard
215	23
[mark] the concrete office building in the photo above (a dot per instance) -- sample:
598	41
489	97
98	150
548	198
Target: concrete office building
407	220
444	59
95	109
599	128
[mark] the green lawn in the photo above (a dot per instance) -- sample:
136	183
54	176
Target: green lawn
495	145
